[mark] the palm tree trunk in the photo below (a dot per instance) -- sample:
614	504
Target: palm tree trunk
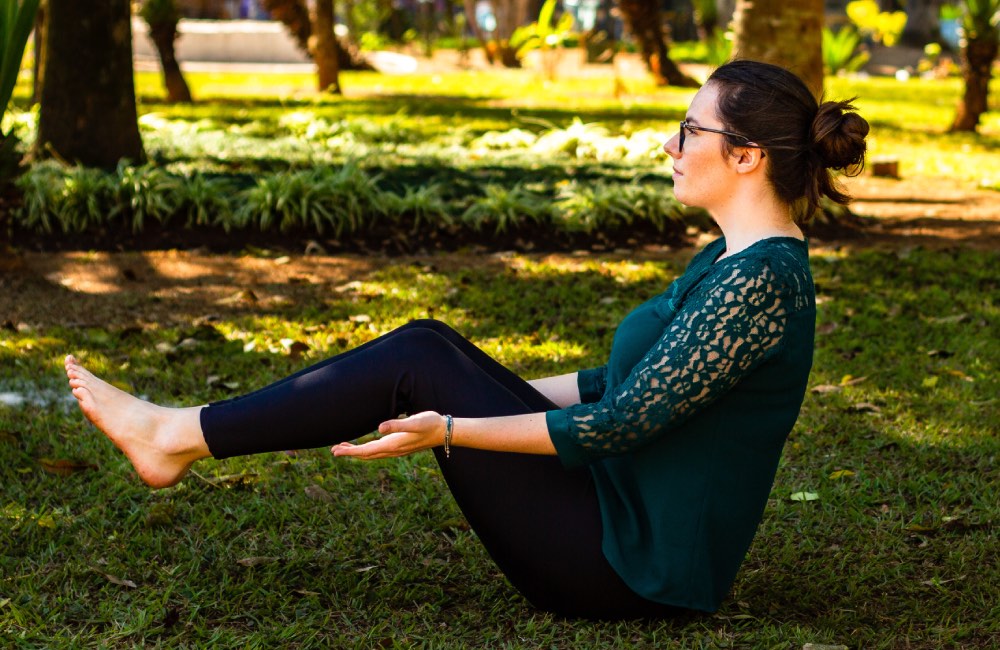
88	112
783	32
38	68
644	20
323	47
977	64
164	37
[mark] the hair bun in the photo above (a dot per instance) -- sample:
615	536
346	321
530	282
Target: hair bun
838	135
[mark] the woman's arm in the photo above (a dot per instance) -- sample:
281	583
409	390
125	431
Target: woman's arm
526	434
560	389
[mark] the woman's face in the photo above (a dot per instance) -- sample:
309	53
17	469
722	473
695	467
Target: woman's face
702	172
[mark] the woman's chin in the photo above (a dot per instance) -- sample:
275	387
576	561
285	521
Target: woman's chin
680	198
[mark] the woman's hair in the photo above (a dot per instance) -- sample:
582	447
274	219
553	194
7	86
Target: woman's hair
773	108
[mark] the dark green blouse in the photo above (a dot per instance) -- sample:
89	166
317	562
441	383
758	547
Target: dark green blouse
684	426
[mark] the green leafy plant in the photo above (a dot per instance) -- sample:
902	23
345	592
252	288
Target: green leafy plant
719	46
424	205
607	207
545	36
651	203
506	208
16	22
205	200
981	19
317	199
842	51
568	140
591	207
57	198
145	192
41	189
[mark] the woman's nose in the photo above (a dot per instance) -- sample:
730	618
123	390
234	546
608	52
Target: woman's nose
671	148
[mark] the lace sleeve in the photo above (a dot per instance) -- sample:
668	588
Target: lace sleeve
720	334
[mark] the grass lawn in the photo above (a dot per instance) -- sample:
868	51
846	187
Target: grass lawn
909	119
897	441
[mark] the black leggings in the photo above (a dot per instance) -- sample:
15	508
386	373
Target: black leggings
540	522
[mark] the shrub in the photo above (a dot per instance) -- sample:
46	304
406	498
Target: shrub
506	208
314	199
143	193
205	201
424	205
608	207
840	50
65	199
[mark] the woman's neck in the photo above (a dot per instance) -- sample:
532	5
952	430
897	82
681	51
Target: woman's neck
753	221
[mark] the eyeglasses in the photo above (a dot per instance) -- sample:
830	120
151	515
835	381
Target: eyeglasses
686	125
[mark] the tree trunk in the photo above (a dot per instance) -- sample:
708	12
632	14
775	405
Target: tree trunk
88	112
470	16
510	14
163	37
922	23
783	32
977	63
352	28
644	20
38	67
323	47
294	15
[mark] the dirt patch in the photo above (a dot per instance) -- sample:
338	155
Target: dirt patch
153	288
926	212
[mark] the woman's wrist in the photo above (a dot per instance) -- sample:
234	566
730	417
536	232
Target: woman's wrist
449	428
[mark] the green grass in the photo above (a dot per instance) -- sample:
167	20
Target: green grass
899	551
238	123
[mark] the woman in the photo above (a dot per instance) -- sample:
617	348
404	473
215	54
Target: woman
624	491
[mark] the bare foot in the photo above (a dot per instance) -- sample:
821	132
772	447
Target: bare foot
161	442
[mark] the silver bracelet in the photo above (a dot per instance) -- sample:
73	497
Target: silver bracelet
449	426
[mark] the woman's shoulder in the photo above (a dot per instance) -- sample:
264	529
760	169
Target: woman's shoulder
783	256
708	254
777	266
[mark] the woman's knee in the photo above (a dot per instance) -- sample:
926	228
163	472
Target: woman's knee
431	324
420	341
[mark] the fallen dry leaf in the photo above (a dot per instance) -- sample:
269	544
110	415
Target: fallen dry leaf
254	561
64	467
318	493
234	480
957	318
115	580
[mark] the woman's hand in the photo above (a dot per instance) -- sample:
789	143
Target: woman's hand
399	438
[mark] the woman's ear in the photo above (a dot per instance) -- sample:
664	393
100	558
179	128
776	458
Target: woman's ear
748	159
